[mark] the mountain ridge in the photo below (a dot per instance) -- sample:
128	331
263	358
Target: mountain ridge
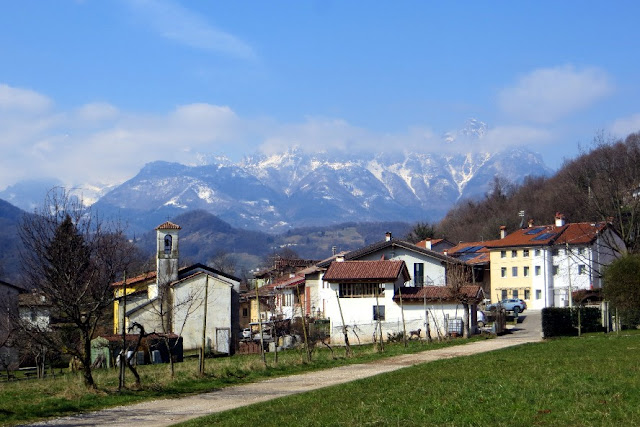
293	189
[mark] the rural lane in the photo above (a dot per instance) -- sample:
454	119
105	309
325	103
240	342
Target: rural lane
165	412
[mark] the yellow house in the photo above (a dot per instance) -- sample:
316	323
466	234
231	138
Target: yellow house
511	274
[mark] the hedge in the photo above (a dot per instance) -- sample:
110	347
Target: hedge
562	321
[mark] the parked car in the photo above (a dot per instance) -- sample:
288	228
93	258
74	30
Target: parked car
512	304
266	335
246	334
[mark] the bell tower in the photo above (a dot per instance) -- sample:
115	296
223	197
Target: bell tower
167	256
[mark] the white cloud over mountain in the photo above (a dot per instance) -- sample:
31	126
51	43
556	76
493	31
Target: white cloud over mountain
546	95
99	143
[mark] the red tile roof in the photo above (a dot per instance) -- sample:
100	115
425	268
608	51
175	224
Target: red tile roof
168	226
438	293
472	252
359	271
149	275
573	234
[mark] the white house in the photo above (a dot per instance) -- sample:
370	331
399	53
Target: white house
365	295
545	264
184	301
425	266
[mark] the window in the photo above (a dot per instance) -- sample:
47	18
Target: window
527	294
525	271
503	254
515	293
525	252
537	252
514	271
555	270
504	294
537	269
245	312
378	312
360	290
503	272
514	254
582	269
538	294
580	251
418	274
555	252
167	244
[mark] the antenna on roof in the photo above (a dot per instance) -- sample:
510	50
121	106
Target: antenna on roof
521	215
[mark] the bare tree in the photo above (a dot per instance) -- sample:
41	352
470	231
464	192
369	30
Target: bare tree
71	256
224	261
172	314
459	276
607	182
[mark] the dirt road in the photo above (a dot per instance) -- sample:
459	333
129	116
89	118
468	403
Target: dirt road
166	412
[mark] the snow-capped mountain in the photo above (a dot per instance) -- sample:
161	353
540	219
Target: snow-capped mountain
292	188
295	189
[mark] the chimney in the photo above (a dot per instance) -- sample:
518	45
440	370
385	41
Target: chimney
559	219
387	236
427	244
334	250
530	223
340	258
503	231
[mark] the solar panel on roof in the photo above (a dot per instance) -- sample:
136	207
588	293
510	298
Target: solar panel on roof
544	236
535	230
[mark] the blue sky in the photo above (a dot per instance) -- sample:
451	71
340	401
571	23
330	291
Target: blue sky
92	90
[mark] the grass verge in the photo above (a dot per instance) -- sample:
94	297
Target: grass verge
32	400
589	381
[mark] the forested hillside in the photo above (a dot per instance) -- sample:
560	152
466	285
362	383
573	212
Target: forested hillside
600	185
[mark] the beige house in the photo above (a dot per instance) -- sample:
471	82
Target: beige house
192	302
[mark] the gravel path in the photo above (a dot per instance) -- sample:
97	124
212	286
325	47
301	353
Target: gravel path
166	412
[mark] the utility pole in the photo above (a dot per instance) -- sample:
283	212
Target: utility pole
404	325
123	355
264	359
344	327
569	274
204	325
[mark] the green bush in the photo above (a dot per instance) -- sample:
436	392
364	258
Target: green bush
562	321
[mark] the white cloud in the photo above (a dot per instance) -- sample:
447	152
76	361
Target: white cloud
626	125
97	143
179	24
548	94
97	112
22	100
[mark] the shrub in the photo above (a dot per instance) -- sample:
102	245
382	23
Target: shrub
558	321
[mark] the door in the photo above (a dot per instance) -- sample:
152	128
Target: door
223	340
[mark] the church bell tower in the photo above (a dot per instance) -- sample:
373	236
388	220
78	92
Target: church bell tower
167	256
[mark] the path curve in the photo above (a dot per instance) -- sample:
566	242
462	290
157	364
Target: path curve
166	412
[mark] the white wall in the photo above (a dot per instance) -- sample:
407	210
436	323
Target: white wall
433	267
358	316
191	314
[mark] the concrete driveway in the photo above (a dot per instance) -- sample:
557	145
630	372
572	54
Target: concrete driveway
166	412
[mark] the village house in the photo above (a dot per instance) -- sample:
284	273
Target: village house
365	295
185	301
544	265
347	285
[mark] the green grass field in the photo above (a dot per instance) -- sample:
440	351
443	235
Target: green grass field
589	381
31	400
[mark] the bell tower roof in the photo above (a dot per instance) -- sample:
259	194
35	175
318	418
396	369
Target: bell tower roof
168	226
